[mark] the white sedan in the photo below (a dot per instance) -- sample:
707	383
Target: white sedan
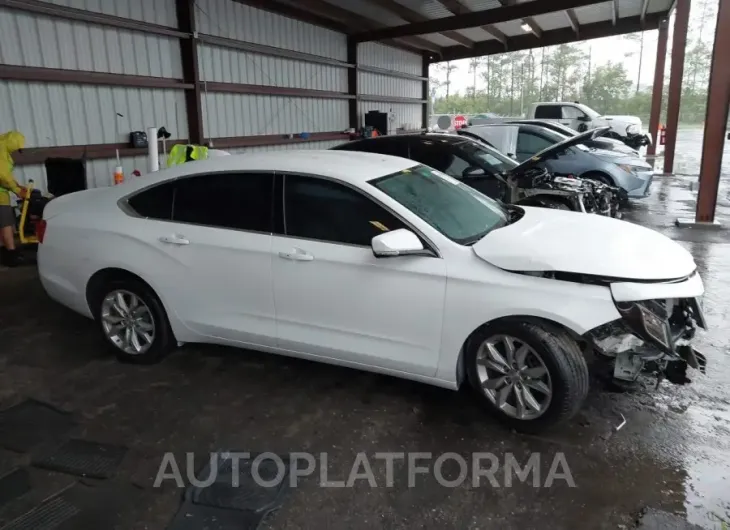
374	262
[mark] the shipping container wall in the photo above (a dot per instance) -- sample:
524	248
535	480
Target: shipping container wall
225	65
382	56
155	11
35	40
234	20
54	114
226	115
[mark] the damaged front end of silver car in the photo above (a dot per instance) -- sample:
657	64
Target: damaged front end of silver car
652	337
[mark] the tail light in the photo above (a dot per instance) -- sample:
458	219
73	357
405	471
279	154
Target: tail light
40	230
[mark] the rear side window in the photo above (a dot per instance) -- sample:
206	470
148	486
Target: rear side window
327	211
385	146
547	112
241	201
155	202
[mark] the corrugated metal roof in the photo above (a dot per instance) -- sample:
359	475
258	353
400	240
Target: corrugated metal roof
551	21
594	13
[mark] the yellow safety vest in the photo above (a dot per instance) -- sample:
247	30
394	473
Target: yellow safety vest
179	154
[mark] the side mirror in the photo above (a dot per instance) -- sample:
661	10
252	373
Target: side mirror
396	243
583	118
512	155
473	171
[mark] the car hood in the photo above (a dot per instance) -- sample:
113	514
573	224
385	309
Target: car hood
560	241
558	147
618	157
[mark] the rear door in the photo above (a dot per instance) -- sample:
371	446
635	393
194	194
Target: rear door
335	299
218	242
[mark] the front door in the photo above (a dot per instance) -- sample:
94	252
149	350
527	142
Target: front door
335	299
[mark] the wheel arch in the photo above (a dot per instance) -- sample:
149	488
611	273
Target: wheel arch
555	325
598	173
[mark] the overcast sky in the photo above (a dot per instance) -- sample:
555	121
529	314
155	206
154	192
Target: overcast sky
602	50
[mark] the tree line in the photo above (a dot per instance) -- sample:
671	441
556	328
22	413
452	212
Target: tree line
507	83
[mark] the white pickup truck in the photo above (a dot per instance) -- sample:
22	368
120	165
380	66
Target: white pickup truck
580	117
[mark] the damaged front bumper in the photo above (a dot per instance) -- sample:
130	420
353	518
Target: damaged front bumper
654	335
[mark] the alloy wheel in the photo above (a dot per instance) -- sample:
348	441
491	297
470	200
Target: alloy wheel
127	322
513	376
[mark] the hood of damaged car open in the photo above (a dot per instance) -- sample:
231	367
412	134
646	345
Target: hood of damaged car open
549	240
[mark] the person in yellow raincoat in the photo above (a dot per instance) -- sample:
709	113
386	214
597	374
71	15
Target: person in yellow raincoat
10	142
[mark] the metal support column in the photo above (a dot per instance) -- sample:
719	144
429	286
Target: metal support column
352	76
658	88
679	43
718	100
189	54
425	95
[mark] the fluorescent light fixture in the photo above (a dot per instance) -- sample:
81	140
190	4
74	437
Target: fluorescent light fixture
526	27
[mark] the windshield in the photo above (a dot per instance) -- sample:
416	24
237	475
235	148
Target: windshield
489	158
457	211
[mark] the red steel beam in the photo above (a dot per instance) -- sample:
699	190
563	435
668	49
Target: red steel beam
553	37
266	90
38	155
409	15
679	43
658	88
185	11
276	139
718	100
475	19
85	77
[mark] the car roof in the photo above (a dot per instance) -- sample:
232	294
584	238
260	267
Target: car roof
445	137
350	166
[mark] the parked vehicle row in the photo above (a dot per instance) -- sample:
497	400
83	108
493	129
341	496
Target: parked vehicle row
484	168
379	263
561	154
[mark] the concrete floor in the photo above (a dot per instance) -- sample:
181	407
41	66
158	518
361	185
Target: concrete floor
672	456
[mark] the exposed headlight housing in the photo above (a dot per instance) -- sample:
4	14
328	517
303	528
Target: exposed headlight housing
631	169
633	129
649	321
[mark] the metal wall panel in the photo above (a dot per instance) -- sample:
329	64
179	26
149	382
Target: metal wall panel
251	115
404	115
98	172
54	114
291	147
32	40
386	85
154	11
382	56
225	18
233	66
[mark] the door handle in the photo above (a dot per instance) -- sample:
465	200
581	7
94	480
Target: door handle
296	255
174	240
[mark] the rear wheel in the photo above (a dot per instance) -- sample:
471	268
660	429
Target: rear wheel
133	321
529	375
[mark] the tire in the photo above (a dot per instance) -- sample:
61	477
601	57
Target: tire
598	177
147	317
551	351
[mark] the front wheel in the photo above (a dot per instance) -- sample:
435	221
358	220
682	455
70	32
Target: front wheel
133	321
530	375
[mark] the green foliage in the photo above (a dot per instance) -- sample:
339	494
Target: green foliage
508	83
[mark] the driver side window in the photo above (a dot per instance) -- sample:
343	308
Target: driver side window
572	113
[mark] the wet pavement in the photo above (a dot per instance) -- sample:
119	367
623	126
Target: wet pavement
669	465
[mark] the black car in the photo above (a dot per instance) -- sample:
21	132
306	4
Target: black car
487	170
